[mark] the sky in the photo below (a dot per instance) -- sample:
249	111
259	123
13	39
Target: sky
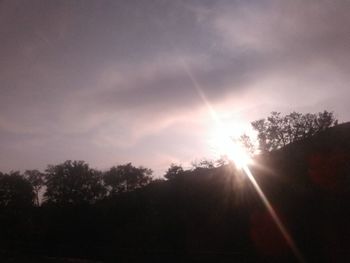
111	82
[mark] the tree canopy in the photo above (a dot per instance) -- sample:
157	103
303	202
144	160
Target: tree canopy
173	171
15	191
73	182
277	131
126	177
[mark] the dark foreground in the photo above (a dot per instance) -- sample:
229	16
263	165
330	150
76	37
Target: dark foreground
205	215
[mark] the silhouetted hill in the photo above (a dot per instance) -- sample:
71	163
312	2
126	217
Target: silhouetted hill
319	163
208	214
310	182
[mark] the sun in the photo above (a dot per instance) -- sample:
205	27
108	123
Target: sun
225	142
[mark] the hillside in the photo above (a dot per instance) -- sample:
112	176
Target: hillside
208	214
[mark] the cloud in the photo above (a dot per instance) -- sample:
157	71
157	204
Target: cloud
111	76
302	47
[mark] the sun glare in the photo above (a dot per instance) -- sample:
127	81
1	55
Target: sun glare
225	142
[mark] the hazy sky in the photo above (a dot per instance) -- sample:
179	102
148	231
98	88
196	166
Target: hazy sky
110	82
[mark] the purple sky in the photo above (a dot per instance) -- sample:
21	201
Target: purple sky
110	82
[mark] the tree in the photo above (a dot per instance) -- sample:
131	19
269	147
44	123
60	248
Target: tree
126	177
247	144
114	180
15	191
37	180
203	164
73	182
277	131
221	161
173	171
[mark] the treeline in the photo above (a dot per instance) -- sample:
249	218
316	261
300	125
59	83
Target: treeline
76	183
204	214
277	130
71	182
122	213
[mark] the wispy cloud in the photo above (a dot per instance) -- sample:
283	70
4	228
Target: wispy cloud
106	81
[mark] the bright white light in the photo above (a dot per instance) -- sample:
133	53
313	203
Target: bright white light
226	143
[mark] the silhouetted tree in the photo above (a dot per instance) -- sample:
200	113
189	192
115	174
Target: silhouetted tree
37	180
73	182
15	191
126	177
247	143
114	180
221	161
277	131
206	164
173	171
203	163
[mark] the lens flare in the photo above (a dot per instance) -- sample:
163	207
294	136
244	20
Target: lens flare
235	152
274	215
